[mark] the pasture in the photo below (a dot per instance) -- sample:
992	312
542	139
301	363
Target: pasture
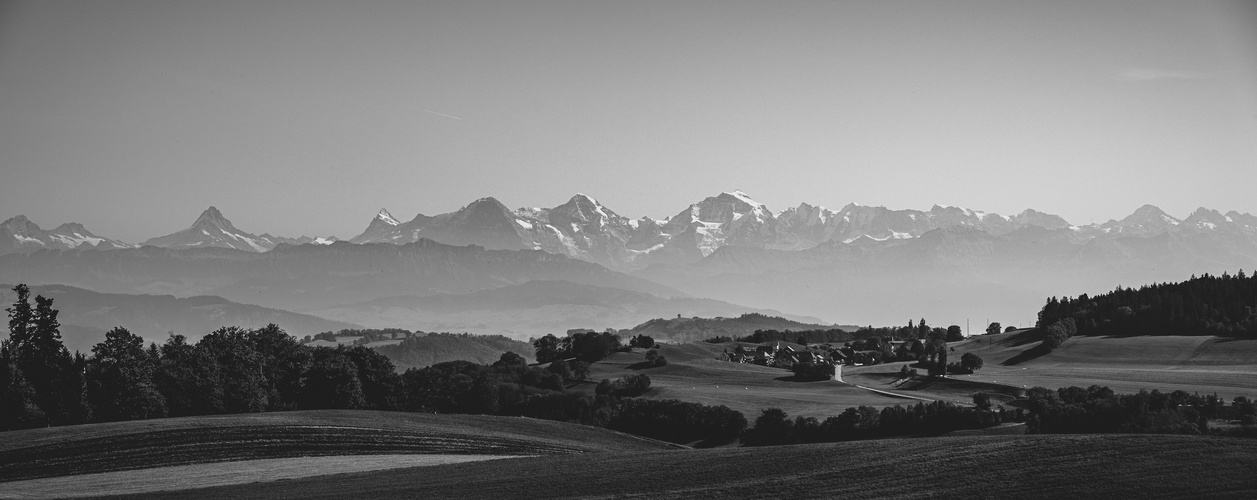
694	374
1052	466
1195	364
139	444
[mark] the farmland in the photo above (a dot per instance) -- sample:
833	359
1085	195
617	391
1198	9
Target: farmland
1125	364
1203	365
1060	466
694	374
139	444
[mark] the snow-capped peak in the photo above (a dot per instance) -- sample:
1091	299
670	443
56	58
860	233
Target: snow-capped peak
737	193
387	218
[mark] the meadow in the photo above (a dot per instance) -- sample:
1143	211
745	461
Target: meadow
1195	364
1054	466
694	374
138	444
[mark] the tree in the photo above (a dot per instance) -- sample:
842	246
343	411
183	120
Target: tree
580	370
188	379
982	400
993	328
653	358
237	370
954	334
120	379
332	381
549	348
773	427
971	361
642	341
510	359
282	361
561	369
17	397
21	319
36	349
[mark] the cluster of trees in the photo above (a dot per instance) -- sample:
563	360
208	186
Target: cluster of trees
512	387
654	359
235	370
643	341
363	335
625	387
1098	409
918	330
231	370
419	350
774	427
800	337
585	346
1057	333
40	382
1208	305
679	422
812	371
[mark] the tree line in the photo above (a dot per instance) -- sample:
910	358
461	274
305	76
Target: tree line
1098	409
1207	305
231	370
775	427
236	370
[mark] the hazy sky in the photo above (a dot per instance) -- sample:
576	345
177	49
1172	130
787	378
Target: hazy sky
295	117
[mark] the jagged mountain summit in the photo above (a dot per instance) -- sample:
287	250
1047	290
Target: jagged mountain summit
19	234
211	229
584	229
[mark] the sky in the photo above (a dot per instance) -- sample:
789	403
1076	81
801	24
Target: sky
305	118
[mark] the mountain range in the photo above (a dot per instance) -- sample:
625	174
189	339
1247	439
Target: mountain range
582	228
859	264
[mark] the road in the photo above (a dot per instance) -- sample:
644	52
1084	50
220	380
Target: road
838	378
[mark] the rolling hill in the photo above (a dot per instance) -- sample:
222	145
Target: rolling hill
80	459
310	277
1196	364
532	309
426	350
85	315
693	328
1057	466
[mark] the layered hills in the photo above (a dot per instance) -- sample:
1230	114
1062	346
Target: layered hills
531	309
85	316
309	277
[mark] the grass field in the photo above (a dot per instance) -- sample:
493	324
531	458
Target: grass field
694	374
1203	365
95	448
204	475
1054	466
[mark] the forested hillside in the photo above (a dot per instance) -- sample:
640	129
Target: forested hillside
694	329
1208	305
426	350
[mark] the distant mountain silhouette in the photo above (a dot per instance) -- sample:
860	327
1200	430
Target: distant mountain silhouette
531	309
20	235
85	315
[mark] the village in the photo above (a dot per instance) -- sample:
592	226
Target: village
781	354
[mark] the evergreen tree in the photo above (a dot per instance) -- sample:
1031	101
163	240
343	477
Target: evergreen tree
17	397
